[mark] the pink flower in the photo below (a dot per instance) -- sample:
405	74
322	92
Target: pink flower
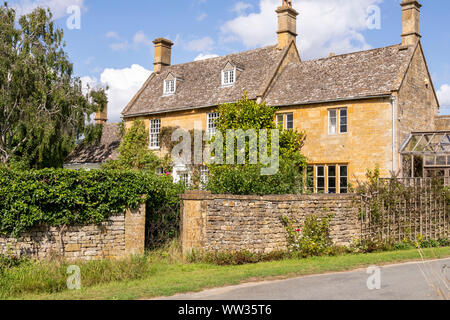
299	230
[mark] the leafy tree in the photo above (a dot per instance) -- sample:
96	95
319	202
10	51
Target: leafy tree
134	152
246	178
43	109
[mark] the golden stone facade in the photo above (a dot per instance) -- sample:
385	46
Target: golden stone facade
387	93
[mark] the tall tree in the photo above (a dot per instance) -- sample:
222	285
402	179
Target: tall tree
43	108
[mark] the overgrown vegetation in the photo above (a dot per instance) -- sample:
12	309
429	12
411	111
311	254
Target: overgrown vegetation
58	197
162	272
43	106
245	176
400	210
134	153
20	277
378	245
311	240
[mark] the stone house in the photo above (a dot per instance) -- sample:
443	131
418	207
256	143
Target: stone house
357	109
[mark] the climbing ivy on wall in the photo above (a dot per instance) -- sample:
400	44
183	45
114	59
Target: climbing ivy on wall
58	197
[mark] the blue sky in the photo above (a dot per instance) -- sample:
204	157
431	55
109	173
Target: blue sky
114	46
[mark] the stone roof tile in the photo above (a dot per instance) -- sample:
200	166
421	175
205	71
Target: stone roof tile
105	149
202	82
348	76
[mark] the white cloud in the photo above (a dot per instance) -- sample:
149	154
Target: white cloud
58	7
202	56
241	7
112	35
140	38
117	46
202	44
202	17
444	96
123	85
324	26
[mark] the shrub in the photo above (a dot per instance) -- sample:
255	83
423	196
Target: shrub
313	240
58	197
227	258
245	178
134	152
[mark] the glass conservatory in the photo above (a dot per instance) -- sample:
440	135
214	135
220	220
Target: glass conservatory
426	154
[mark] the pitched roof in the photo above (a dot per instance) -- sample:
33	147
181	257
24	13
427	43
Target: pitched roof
201	84
105	149
349	76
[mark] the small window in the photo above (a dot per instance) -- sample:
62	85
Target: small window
337	121
330	178
320	179
332	175
332	125
228	77
286	121
343	179
343	127
212	117
280	120
155	129
169	86
310	179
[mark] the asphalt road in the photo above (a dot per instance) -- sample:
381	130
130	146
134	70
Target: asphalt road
410	281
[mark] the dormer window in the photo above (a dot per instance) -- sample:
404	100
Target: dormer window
169	86
229	75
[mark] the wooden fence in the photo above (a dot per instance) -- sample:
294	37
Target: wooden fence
409	208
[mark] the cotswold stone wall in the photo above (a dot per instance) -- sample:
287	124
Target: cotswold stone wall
442	123
235	223
117	237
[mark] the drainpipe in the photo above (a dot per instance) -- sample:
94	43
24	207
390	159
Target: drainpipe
393	103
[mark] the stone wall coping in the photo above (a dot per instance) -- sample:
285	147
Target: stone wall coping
206	195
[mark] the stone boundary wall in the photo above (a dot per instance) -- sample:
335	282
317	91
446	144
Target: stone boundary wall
118	237
442	123
235	223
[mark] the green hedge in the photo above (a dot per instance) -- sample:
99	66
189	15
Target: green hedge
59	197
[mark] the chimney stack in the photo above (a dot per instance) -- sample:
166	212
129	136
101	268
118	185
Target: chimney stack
101	117
163	54
411	22
287	24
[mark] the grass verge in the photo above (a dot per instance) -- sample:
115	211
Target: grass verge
167	276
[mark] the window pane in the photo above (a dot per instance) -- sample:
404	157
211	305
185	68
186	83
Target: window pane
212	117
320	179
343	181
332	122
280	120
332	179
155	129
441	160
430	160
310	179
343	121
290	121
